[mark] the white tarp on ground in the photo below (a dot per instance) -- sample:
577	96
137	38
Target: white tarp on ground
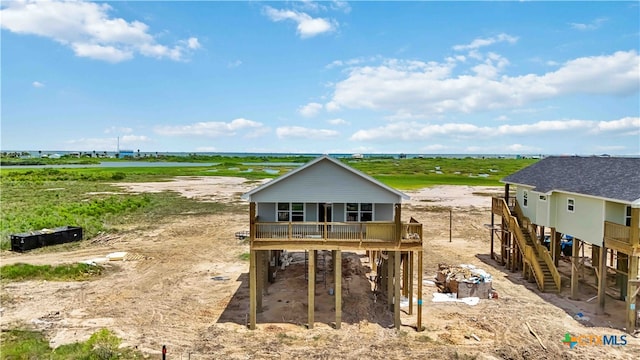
452	297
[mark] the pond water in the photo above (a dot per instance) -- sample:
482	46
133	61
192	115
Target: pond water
112	164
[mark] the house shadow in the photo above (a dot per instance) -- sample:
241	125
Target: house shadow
285	300
586	304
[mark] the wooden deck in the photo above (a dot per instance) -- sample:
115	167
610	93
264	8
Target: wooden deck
618	237
336	236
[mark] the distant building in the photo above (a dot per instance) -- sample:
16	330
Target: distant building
126	153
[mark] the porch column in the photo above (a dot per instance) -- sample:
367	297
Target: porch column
337	271
405	274
311	288
252	289
602	278
419	322
396	292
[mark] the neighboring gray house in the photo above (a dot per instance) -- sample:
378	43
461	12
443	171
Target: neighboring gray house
577	195
596	200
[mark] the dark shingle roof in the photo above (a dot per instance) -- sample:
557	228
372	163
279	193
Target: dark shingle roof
611	178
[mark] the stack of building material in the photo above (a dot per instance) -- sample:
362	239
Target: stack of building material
464	280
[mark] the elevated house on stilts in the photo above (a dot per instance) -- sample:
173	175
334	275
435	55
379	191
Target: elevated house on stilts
326	205
595	202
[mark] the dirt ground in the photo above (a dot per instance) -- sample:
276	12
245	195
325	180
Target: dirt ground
184	284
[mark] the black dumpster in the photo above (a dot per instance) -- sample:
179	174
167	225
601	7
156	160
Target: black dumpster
45	237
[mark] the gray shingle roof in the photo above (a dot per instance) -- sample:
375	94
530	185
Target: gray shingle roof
607	177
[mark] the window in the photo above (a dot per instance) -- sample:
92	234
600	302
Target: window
525	198
543	197
359	212
627	218
290	212
571	205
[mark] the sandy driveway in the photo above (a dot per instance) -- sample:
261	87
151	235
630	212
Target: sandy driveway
184	285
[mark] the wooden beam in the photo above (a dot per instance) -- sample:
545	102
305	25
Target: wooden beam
259	279
331	244
634	231
311	288
252	222
405	274
492	231
574	268
252	289
410	282
602	278
419	322
631	290
396	292
390	269
337	271
555	246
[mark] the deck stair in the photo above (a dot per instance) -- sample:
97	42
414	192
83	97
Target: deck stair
536	259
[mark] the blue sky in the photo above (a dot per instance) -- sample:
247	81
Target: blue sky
322	77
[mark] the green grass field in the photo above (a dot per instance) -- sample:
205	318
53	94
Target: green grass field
34	199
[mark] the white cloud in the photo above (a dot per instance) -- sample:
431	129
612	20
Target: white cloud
480	42
206	149
298	132
307	25
234	64
338	122
118	130
310	110
595	24
414	131
341	6
210	129
434	147
428	88
105	144
37	84
521	148
88	29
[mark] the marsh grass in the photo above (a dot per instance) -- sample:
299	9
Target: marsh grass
28	344
66	272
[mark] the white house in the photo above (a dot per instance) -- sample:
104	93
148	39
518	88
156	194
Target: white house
327	205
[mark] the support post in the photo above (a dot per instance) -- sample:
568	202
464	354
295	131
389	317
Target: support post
396	290
390	275
574	268
631	294
337	271
252	289
398	222
419	322
555	246
410	282
492	231
311	288
259	279
405	274
602	278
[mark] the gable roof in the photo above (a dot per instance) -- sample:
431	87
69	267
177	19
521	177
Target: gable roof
614	178
247	195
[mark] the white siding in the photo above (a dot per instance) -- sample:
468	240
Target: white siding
326	182
586	222
615	212
530	210
311	212
383	212
266	212
542	209
338	212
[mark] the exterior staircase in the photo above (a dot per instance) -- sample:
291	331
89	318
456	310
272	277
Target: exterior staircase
536	260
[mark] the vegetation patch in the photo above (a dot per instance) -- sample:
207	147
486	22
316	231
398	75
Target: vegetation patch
67	272
27	344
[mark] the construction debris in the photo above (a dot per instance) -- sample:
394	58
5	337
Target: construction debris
464	281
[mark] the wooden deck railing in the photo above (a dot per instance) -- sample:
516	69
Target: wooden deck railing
618	237
321	231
